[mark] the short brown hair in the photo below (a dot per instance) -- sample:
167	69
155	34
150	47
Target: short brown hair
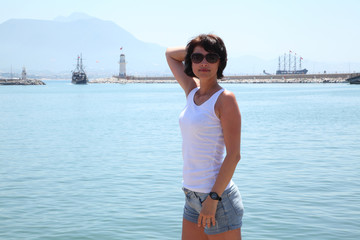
211	43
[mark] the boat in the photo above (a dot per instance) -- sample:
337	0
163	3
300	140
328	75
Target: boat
354	80
79	75
287	68
302	71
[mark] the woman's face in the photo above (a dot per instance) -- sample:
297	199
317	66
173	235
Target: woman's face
204	69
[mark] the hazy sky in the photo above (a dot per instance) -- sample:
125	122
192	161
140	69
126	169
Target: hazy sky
319	30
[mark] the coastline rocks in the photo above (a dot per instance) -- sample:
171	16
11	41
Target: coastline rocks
286	80
225	80
21	82
108	80
133	80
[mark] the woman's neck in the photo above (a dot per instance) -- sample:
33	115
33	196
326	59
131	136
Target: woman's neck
208	86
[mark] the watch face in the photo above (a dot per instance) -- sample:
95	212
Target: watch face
214	196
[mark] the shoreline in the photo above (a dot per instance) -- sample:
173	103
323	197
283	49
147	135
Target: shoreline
247	79
235	81
241	79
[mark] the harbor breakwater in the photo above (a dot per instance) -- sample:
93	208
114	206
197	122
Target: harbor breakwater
21	82
289	78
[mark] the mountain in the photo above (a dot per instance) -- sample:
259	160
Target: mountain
53	46
73	17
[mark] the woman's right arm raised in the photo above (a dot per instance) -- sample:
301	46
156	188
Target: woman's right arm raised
175	57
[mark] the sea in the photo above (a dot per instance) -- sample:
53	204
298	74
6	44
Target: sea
103	161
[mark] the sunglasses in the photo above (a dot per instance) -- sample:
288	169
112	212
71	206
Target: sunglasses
199	57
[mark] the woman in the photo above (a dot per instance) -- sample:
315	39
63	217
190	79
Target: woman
210	124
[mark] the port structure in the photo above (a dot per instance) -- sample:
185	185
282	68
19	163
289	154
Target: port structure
122	63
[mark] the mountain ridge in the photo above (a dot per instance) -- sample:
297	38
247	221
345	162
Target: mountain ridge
52	46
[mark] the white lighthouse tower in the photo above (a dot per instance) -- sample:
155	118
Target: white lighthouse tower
122	73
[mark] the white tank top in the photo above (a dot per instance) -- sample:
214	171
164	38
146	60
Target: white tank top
203	143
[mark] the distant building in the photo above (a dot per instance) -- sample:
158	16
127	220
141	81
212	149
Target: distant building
122	73
23	74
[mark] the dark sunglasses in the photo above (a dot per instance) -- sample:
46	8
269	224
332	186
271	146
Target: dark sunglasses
199	57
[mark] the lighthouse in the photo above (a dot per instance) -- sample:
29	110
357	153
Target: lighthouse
122	73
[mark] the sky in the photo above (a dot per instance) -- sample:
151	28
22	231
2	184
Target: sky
319	30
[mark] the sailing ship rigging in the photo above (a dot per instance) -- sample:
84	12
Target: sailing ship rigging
79	75
287	60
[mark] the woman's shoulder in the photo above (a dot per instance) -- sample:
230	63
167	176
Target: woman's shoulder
226	104
227	97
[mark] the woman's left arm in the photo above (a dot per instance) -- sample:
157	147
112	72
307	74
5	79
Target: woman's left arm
228	112
230	118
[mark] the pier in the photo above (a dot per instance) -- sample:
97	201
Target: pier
20	82
293	78
286	78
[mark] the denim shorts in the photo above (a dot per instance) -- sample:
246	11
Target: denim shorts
229	210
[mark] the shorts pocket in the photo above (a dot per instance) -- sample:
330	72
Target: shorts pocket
192	200
236	201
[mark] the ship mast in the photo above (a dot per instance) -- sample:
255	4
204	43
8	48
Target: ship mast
77	64
284	62
289	60
290	66
279	64
81	65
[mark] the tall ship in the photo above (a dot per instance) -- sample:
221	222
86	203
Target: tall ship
288	65
79	75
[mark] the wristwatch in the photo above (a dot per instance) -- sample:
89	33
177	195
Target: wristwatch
214	196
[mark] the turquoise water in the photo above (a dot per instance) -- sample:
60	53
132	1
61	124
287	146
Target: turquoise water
104	161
